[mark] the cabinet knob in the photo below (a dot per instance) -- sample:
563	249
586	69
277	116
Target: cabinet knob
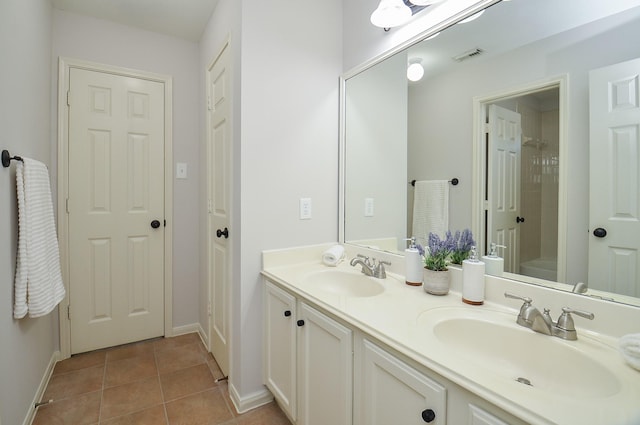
300	322
428	415
287	313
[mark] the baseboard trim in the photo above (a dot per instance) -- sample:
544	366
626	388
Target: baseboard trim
244	404
31	414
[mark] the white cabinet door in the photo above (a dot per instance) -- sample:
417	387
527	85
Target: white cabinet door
280	347
478	416
325	369
390	392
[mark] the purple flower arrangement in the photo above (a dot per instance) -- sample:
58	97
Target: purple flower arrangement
453	248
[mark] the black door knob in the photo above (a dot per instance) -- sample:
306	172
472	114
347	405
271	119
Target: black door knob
287	313
155	224
225	233
519	219
428	415
600	232
300	322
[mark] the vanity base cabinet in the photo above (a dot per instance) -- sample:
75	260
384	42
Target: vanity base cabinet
325	370
390	392
279	365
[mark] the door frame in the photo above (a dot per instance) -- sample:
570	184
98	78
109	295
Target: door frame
64	66
478	204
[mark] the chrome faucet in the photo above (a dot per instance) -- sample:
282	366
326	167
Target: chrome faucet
370	267
530	317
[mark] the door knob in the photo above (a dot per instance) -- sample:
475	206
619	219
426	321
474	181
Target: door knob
519	219
225	233
155	224
428	415
600	232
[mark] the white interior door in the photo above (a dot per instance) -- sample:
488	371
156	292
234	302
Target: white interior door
116	191
505	137
218	181
614	98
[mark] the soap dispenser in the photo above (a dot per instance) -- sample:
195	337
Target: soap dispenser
473	279
413	264
494	264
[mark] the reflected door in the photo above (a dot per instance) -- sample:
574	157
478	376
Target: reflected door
614	212
116	209
503	166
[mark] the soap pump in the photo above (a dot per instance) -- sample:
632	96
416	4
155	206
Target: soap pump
494	263
473	279
413	264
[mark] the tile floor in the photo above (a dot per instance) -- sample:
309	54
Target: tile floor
159	382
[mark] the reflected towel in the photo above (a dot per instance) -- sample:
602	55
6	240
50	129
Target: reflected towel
630	349
430	209
333	256
38	281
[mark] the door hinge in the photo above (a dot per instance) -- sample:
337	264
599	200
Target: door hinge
69	311
487	128
210	206
68	101
209	103
66	205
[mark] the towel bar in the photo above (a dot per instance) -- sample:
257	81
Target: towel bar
454	182
6	158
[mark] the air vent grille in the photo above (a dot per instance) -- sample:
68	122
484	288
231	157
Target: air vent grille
468	54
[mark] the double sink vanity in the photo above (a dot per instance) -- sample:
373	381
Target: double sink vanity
341	347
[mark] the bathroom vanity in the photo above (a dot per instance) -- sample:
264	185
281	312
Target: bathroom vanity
344	348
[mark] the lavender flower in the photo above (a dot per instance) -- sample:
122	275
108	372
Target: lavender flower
463	242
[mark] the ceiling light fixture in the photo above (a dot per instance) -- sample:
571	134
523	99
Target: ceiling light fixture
415	71
424	2
390	13
472	17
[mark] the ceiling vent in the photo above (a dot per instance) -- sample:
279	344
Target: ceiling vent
468	54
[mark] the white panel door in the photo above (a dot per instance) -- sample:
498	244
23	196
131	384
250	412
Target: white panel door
218	187
325	369
116	190
505	136
614	98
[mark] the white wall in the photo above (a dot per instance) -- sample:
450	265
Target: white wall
25	48
96	40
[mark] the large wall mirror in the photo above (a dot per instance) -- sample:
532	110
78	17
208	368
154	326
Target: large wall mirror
533	109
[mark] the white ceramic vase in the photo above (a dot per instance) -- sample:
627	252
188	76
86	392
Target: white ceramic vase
436	282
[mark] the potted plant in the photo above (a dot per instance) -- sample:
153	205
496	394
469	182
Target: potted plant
436	259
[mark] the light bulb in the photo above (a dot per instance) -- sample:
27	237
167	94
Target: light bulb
390	13
415	72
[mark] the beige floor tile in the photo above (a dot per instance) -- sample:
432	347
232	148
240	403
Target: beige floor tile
187	381
176	341
180	357
80	410
80	361
269	414
205	408
131	350
129	398
79	381
119	372
152	416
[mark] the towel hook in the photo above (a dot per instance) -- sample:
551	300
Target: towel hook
6	158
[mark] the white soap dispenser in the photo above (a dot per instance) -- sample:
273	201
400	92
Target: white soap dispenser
412	264
473	279
493	263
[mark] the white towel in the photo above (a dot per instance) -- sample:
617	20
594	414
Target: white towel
630	349
333	256
430	209
38	280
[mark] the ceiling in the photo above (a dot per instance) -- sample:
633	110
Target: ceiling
179	18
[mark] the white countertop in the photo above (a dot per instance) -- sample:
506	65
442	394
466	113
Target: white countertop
403	318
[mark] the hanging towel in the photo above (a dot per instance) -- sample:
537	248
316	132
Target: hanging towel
38	280
430	209
630	349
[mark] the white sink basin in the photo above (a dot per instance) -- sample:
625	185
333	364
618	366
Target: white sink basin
344	283
490	340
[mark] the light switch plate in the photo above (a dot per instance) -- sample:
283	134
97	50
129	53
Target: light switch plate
305	208
181	170
368	207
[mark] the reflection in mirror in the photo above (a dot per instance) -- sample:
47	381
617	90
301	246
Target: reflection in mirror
396	131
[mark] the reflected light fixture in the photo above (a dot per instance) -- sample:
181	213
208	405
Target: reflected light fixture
424	2
415	71
472	17
390	13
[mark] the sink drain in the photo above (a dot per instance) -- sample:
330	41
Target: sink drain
524	381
